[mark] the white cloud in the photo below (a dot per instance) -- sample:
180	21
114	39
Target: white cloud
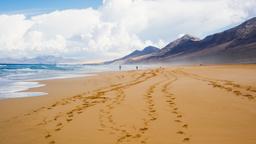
117	27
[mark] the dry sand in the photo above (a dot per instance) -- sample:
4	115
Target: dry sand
197	105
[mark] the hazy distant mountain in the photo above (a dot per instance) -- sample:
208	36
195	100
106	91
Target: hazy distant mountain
134	54
37	60
236	45
147	50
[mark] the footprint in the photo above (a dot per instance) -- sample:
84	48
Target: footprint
179	116
54	105
180	132
249	96
143	129
186	139
48	135
52	142
153	119
137	135
69	120
57	129
185	126
179	121
237	92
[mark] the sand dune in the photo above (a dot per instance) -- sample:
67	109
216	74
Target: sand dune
207	104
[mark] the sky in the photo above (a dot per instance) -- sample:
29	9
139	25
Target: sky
95	30
46	5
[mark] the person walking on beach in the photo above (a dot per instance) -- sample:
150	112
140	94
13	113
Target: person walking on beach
137	67
120	67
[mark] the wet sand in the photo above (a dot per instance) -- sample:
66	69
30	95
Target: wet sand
196	104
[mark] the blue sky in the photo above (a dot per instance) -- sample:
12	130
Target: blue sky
9	6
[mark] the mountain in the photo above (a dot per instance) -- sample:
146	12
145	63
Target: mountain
236	45
137	53
183	44
47	59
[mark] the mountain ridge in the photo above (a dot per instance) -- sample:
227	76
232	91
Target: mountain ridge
136	53
235	45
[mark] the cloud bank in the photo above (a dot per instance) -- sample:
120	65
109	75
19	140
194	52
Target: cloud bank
117	27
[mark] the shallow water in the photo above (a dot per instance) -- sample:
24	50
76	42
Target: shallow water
17	78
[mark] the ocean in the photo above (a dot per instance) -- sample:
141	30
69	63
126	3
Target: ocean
17	78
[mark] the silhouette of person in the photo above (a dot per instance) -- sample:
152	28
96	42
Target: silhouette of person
120	67
137	67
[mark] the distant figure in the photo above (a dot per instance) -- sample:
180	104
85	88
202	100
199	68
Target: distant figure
137	67
120	67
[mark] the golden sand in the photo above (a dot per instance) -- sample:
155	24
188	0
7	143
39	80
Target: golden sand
197	105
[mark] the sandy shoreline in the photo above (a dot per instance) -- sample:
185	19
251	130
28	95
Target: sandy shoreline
207	104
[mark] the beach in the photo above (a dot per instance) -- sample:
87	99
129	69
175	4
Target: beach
165	105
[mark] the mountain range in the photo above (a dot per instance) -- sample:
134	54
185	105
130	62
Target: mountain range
47	59
235	45
135	54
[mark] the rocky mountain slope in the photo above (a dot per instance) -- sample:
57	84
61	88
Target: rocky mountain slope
236	45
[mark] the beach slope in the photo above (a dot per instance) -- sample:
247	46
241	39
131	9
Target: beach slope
197	105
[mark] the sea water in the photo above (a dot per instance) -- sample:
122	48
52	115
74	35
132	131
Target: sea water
17	78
